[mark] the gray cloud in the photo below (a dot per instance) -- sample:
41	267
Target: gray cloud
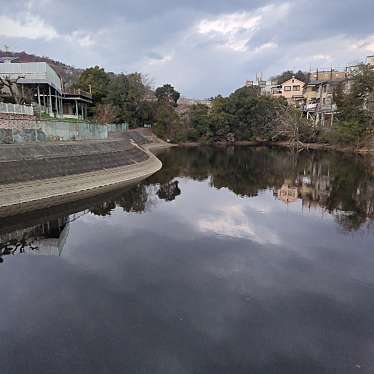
202	47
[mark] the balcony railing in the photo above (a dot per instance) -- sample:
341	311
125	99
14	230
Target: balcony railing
78	92
16	109
318	107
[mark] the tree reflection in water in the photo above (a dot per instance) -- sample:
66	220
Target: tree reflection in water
13	246
340	184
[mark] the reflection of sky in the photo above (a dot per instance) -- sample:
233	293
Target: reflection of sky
205	210
207	283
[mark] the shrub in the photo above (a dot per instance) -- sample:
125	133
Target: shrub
346	132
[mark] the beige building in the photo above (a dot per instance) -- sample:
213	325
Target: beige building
292	90
288	193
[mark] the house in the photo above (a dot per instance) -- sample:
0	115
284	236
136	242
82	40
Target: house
44	86
322	92
266	86
76	103
319	99
288	193
291	90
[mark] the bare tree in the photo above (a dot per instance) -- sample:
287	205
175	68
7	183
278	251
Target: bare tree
294	127
11	84
105	113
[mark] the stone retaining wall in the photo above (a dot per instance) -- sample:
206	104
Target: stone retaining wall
37	175
20	163
16	121
19	198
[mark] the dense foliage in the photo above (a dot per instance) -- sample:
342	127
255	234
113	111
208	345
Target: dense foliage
355	102
288	74
119	98
167	94
245	115
337	183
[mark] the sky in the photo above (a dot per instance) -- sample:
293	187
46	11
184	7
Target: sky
202	47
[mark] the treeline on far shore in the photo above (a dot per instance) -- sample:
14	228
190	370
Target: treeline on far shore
245	115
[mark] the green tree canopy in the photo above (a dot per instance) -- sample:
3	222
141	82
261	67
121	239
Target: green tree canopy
356	104
167	94
96	80
288	74
126	93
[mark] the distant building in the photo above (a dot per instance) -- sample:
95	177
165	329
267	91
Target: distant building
47	89
319	99
266	86
351	69
288	193
326	75
189	102
292	90
322	92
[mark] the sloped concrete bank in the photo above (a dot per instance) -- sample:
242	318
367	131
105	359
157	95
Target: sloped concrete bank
40	176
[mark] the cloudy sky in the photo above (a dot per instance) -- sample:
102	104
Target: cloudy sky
202	47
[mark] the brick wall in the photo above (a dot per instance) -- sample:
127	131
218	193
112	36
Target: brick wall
16	121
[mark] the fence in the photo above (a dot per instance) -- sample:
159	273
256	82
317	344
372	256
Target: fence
16	109
49	131
319	108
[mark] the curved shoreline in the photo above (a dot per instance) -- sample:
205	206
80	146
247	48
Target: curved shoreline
283	144
19	198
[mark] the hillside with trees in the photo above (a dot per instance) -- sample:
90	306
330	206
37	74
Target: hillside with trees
244	115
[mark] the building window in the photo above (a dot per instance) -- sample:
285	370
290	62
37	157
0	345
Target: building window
287	88
296	88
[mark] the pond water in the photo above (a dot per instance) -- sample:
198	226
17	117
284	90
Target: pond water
229	260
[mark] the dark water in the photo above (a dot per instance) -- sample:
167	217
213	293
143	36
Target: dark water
227	261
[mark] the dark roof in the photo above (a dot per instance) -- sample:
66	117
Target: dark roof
315	82
331	81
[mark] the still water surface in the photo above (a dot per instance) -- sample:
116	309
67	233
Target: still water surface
235	260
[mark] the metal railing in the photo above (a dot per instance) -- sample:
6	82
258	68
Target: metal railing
16	109
318	107
77	92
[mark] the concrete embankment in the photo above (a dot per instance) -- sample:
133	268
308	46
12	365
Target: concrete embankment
36	176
